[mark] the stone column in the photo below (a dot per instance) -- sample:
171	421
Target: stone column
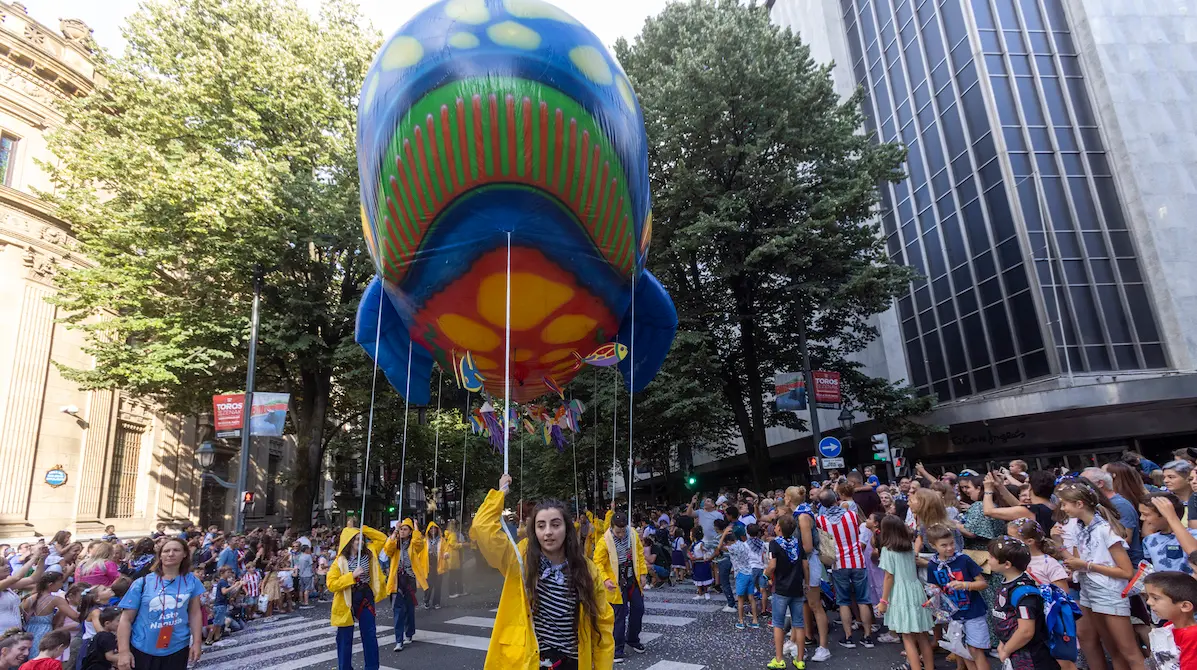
26	400
90	483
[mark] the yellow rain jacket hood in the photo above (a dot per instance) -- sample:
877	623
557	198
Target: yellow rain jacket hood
450	558
442	550
607	560
340	577
513	644
417	551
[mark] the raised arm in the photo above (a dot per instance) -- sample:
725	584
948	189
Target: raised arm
487	530
16	582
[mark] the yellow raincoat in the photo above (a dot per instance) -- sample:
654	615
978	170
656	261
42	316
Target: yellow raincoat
450	553
607	560
513	643
340	577
440	548
417	551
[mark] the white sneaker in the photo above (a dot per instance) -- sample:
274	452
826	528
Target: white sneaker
728	609
706	596
697	597
790	649
888	638
399	647
821	654
452	596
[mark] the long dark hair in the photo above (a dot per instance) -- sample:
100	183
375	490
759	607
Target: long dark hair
1127	481
577	568
893	534
184	565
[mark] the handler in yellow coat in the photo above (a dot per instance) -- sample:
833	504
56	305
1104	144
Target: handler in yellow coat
620	560
552	612
355	580
408	552
450	562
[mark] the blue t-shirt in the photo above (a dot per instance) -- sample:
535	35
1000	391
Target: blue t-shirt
1147	466
228	556
873	481
219	598
1165	553
1128	516
960	569
160	603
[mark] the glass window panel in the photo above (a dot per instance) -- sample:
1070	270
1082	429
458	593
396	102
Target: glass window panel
962	56
983	378
1020	162
1040	43
953	132
1086	314
1064	43
1121	241
975	113
927	321
1046	66
1056	17
1015	279
1111	207
933	44
1020	65
1041	139
984	266
914	359
888	34
1091	138
1006	14
914	64
1036	364
1026	323
983	14
991	174
974	225
1008	373
909	33
935	358
966	189
990	291
1095	245
1153	356
990	42
922	95
1014	43
942	183
936	265
1098	359
999	331
1101	269
922	297
945	206
1055	100
1065	139
889	132
967	76
922	197
974	335
954	347
1028	196
954	241
926	117
1014	139
904	11
881	96
1099	165
1046	163
942	390
1030	102
1001	220
914	163
926	11
966	300
906	307
1116	320
1075	272
1009	253
1070	66
1004	97
867	26
953	20
946	312
1067	247
1086	213
1030	15
1057	204
1125	358
914	258
1128	269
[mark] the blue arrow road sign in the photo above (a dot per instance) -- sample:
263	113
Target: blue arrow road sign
830	447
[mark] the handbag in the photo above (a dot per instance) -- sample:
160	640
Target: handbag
263	602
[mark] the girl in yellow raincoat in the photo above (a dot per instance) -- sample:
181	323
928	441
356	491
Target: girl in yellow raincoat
355	580
408	552
552	612
451	559
436	568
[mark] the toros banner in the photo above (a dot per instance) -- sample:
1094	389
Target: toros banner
267	416
827	389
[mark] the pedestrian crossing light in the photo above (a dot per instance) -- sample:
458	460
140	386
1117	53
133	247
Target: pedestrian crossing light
812	463
880	447
691	480
391	509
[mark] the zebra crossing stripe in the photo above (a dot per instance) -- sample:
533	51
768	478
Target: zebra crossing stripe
674	665
682	607
661	620
282	651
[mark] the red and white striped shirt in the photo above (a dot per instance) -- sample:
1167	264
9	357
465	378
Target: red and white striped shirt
253	583
846	531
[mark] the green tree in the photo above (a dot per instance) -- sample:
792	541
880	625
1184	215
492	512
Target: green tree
765	194
222	140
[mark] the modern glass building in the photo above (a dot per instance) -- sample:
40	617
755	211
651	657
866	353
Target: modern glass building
1049	220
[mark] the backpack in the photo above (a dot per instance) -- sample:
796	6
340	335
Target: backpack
825	545
1059	615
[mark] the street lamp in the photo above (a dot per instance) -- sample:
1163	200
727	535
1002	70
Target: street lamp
846	419
206	455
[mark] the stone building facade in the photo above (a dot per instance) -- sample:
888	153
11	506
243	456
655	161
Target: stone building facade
72	459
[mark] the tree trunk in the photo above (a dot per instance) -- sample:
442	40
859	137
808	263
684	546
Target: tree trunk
758	454
313	411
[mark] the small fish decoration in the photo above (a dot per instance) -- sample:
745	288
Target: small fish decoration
471	378
529	427
604	357
554	386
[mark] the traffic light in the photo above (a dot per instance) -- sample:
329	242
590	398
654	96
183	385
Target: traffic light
691	481
880	447
248	498
812	463
898	454
391	509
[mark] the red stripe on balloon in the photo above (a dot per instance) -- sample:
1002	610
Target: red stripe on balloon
559	165
396	205
583	170
509	104
568	189
424	211
435	150
600	207
589	204
450	155
463	144
425	177
603	235
494	136
526	139
543	168
479	140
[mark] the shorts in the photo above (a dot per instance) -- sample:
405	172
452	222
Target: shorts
976	632
851	585
791	604
816	570
1104	601
662	573
305	584
744	585
219	614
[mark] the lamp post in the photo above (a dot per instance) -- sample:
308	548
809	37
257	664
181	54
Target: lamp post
206	454
259	279
847	420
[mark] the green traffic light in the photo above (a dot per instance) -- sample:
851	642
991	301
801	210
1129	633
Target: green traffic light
691	481
391	509
878	457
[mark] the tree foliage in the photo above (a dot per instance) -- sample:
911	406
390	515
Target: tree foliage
222	141
765	189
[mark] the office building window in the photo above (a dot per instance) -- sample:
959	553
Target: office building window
122	476
8	157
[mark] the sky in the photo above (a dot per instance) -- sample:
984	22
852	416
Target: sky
609	19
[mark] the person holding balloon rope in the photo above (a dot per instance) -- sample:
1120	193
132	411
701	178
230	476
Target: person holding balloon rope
355	580
408	552
552	613
620	559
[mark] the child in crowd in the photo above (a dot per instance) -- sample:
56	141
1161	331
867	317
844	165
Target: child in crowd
1172	595
100	652
726	582
321	575
119	588
760	585
303	567
960	577
678	555
251	581
1018	610
286	582
872	554
902	594
1166	540
785	569
1045	566
743	561
50	650
1104	568
225	588
700	561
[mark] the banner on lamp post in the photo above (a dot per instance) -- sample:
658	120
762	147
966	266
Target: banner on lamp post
267	416
827	389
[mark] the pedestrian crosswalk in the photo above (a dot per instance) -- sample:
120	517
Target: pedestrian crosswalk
293	642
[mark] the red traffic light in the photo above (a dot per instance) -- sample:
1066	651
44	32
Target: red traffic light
812	461
248	499
899	462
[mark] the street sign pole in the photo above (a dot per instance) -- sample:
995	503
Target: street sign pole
815	434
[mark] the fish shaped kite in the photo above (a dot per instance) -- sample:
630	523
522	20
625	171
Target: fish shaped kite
496	134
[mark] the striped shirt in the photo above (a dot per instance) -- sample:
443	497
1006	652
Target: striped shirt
556	611
253	584
363	560
845	528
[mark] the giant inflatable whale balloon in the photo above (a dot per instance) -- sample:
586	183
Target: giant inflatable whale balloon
478	120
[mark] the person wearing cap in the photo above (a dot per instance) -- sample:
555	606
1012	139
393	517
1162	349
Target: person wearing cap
620	561
408	552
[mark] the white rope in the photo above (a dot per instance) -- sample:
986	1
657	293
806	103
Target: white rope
594	399
521	478
573	438
465	441
632	390
406	414
361	520
507	372
614	437
436	458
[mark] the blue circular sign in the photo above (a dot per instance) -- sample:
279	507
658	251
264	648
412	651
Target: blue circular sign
56	477
830	447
